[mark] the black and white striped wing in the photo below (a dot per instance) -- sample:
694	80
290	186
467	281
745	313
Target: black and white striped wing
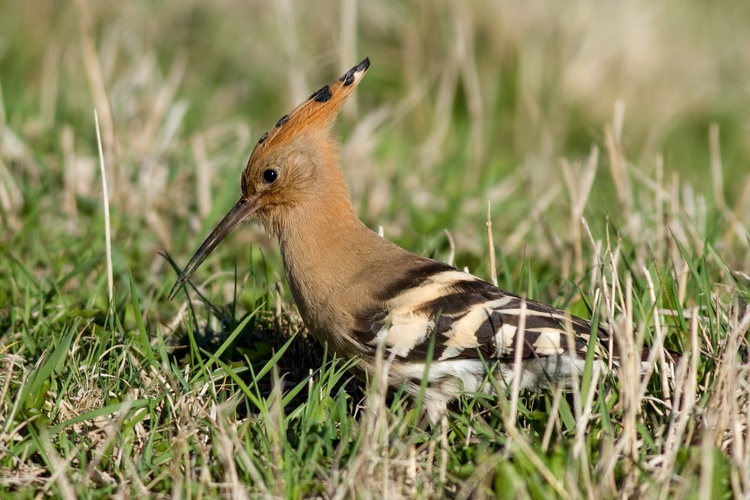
463	318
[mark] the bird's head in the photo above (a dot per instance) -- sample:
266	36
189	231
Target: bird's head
295	164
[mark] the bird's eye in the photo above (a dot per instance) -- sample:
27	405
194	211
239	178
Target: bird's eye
270	175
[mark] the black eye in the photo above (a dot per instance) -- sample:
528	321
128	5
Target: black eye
270	175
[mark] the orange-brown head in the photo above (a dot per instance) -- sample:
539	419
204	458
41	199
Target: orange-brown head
293	165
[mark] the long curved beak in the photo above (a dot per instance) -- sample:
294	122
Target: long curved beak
241	211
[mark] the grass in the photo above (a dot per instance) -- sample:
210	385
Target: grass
611	147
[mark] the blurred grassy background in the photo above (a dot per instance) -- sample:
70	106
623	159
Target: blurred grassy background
633	115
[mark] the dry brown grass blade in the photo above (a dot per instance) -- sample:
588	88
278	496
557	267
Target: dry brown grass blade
491	245
60	466
105	207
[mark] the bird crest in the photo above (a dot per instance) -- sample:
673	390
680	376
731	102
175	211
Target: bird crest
317	112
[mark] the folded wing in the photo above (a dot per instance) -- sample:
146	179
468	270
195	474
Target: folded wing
459	316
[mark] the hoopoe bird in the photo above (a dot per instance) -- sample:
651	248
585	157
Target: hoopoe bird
358	292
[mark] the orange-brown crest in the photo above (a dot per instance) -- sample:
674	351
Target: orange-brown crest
318	111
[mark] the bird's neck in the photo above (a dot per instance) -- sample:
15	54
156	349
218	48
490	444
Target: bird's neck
323	242
325	248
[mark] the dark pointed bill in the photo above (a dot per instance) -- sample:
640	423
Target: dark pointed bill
241	211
